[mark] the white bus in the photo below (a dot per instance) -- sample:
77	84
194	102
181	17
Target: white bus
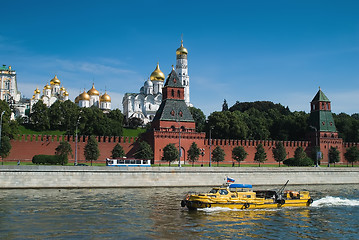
126	162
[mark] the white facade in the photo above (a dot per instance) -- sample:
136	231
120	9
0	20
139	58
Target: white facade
182	71
8	85
93	98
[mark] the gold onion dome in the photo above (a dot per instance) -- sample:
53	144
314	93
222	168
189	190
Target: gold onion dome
37	91
93	91
62	88
65	93
84	96
157	74
105	98
47	86
181	50
77	99
55	81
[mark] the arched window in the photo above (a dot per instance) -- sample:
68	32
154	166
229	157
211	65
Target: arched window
178	93
172	93
173	128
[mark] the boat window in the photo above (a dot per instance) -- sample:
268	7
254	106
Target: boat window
248	196
223	192
213	191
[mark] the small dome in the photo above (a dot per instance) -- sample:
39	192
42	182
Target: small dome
181	50
47	86
148	83
55	81
84	96
37	91
93	91
105	98
157	74
33	97
62	89
65	93
142	90
77	99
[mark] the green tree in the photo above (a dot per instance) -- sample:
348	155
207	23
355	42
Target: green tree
193	153
64	150
352	155
170	153
56	115
279	153
135	122
116	122
5	147
91	149
260	156
227	124
117	151
313	155
144	151
71	113
39	118
239	154
199	118
299	154
334	155
218	155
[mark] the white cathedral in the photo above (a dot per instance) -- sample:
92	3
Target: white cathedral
145	104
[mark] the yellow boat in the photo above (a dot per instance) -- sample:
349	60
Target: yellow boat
242	196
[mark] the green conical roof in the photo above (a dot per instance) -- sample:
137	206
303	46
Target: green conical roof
320	96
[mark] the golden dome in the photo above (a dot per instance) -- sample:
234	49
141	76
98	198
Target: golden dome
181	50
37	91
84	96
65	93
93	91
105	98
55	81
47	86
77	99
157	74
33	97
62	88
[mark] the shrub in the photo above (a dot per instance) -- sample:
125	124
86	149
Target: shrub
48	159
299	163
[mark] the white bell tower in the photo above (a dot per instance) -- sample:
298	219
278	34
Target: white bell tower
182	71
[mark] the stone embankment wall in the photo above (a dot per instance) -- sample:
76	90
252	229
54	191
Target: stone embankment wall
102	177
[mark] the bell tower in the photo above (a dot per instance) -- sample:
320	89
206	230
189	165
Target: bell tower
182	71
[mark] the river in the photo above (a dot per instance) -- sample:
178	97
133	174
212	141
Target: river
155	213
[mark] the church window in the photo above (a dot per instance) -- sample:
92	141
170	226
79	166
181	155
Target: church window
172	93
149	106
178	93
184	82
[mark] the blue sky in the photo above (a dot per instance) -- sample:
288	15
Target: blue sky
279	51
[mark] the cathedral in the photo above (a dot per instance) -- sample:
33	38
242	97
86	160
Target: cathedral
144	105
92	98
50	94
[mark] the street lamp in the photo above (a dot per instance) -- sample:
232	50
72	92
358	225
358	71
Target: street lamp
0	133
210	145
77	123
316	145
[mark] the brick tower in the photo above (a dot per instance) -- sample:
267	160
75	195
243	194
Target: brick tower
322	121
173	122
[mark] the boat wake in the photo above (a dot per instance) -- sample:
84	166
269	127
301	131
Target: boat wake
334	201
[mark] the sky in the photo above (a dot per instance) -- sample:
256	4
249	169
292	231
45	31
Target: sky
260	50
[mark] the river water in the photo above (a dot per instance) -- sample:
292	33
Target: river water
155	213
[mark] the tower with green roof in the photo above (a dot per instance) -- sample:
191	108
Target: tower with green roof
325	134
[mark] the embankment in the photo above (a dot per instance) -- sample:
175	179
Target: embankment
102	177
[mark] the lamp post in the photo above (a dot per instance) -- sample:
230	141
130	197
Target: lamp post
202	153
77	123
0	132
316	145
210	145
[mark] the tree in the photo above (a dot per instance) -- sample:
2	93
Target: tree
39	118
239	154
334	155
91	149
193	153
299	154
56	115
144	151
64	150
279	153
260	156
224	105
117	151
218	155
170	153
199	118
5	147
352	155
135	122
